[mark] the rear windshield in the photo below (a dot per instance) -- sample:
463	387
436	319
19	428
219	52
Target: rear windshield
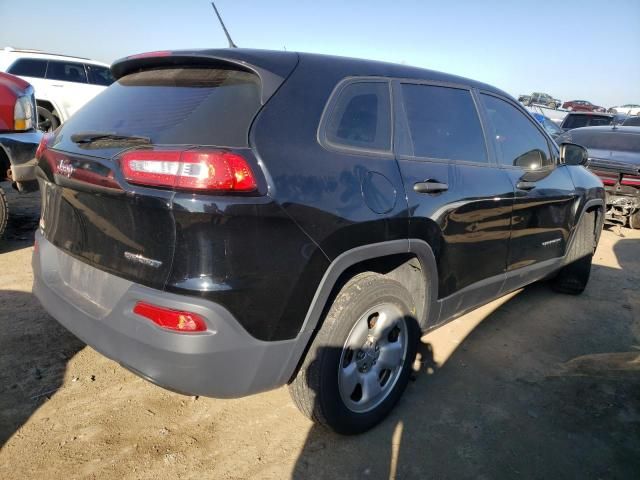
632	121
201	106
616	141
577	121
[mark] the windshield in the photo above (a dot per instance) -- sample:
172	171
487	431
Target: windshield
201	106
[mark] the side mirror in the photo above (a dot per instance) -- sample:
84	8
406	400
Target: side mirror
572	154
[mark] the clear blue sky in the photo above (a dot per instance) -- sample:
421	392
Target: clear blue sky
588	49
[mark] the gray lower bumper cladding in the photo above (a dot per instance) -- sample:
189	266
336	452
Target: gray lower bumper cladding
225	361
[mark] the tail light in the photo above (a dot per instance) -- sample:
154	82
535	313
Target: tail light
198	170
175	320
23	114
632	180
44	142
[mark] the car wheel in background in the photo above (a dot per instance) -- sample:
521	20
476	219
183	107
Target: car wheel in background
613	110
552	105
4	212
634	220
359	364
47	121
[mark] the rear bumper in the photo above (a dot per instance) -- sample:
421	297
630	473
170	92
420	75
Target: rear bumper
225	361
621	204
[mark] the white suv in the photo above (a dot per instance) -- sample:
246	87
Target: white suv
62	84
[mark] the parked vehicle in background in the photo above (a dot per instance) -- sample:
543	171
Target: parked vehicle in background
582	106
586	119
614	155
633	121
228	239
18	138
538	98
628	109
552	128
62	83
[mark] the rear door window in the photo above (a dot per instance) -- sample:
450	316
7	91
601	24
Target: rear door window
360	117
200	106
99	75
66	71
442	123
518	141
29	67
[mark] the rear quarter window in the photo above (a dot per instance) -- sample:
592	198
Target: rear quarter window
99	75
360	117
200	106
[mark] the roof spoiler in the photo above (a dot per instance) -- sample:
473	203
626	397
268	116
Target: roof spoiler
271	67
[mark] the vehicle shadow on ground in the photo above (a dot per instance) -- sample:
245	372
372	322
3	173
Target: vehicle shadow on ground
34	350
546	386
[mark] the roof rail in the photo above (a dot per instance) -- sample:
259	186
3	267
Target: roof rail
42	52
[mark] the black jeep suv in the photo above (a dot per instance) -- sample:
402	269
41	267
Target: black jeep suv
223	222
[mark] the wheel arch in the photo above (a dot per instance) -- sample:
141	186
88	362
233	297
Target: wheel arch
410	262
51	106
5	163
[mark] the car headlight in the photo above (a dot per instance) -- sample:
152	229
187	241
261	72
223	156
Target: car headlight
23	113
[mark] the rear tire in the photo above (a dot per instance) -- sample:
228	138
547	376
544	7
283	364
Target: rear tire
4	212
47	121
359	364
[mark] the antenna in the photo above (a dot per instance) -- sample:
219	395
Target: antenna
231	44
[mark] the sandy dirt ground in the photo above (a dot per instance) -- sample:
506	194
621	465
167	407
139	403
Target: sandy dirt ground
536	385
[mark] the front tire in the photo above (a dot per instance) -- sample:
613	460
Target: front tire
634	220
359	364
573	277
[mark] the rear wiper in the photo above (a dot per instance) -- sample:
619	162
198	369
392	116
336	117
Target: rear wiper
84	138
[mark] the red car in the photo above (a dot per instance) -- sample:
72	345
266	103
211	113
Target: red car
581	106
19	138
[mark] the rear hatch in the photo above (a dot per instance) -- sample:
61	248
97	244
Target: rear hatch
614	155
161	102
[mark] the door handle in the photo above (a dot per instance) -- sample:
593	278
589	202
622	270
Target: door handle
522	185
430	186
57	85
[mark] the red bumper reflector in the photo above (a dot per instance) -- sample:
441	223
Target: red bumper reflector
175	320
